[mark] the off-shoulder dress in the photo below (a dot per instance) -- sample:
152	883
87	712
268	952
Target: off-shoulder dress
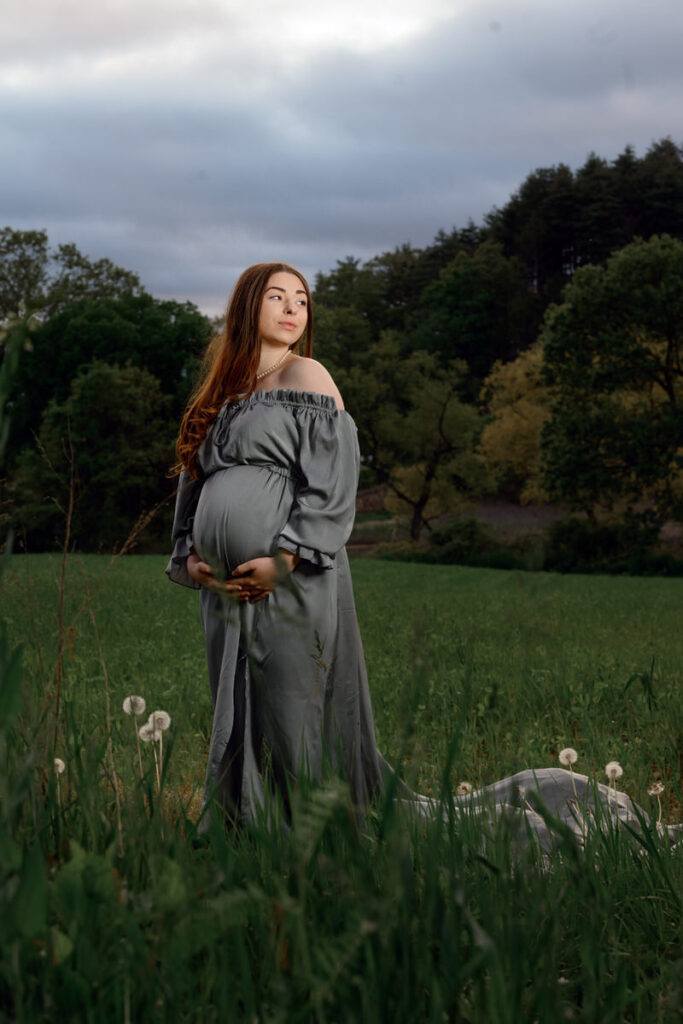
287	674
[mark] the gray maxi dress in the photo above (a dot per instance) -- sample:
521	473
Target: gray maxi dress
287	674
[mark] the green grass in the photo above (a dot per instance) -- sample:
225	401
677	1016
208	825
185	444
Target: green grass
510	666
523	664
393	921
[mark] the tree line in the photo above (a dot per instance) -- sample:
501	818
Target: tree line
536	356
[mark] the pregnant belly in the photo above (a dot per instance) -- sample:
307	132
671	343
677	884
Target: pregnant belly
240	514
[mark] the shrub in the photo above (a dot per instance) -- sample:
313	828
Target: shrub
462	538
578	545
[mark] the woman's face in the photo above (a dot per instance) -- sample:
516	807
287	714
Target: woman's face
284	310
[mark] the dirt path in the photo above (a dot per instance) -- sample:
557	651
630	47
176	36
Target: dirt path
509	520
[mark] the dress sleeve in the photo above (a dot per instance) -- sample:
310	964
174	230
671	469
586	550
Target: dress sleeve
185	508
321	518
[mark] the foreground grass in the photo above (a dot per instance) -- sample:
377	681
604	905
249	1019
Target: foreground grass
474	674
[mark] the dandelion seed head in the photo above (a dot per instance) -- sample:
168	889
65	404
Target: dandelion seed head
656	789
613	770
60	767
464	789
159	720
568	756
134	705
148	734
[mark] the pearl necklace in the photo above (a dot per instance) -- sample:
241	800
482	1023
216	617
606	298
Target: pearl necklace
264	373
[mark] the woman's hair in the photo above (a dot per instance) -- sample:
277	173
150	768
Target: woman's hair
231	360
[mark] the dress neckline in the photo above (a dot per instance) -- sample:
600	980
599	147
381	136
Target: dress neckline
290	396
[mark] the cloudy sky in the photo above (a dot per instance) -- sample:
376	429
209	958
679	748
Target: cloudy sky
186	139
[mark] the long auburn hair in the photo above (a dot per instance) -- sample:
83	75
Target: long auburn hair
231	360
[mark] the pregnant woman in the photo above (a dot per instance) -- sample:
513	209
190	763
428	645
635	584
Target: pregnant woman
265	504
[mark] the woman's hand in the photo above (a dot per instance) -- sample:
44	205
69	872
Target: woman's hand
201	572
259	576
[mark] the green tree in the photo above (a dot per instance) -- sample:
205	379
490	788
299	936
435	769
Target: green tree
660	184
24	261
446	246
76	276
480	310
539	225
612	356
34	277
416	434
112	440
386	290
599	211
350	286
165	337
400	277
343	337
558	221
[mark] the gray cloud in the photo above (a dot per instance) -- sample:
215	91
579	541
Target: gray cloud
188	173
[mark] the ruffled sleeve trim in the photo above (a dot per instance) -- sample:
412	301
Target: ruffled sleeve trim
176	570
187	500
317	558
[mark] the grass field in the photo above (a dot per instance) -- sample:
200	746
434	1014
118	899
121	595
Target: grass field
510	666
483	670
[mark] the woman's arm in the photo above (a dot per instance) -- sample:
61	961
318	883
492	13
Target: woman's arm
200	571
187	499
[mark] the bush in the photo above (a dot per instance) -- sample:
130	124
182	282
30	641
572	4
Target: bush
647	563
578	545
461	539
569	545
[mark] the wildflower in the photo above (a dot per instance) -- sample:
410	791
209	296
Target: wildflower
134	705
60	767
464	789
153	732
568	757
148	734
656	789
613	771
159	720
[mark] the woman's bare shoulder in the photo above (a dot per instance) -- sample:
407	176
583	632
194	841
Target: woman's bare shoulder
304	374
